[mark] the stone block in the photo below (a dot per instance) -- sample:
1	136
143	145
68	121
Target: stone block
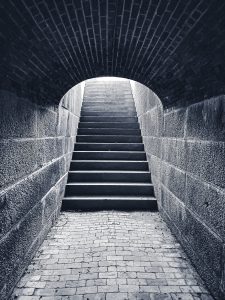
72	100
14	246
17	117
174	209
174	123
50	203
72	125
206	160
206	119
62	121
149	122
174	179
18	159
46	122
20	198
152	145
144	98
155	166
174	152
205	250
49	149
208	202
157	189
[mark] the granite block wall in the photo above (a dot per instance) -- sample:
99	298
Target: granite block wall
186	150
36	144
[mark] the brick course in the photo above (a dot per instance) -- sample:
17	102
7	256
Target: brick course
174	47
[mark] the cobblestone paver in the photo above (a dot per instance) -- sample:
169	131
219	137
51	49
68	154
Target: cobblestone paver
111	256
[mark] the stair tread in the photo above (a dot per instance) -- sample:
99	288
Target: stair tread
92	143
109	128
111	183
106	160
110	197
109	171
101	151
111	135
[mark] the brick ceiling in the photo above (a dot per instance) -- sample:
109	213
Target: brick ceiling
175	47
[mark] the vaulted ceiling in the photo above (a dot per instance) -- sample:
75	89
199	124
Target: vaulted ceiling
175	47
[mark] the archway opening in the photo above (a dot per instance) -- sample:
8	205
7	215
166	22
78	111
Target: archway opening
109	167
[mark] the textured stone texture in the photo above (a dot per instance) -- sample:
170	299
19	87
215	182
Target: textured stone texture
35	153
110	255
174	47
186	160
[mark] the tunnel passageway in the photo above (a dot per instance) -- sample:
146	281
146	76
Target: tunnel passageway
173	53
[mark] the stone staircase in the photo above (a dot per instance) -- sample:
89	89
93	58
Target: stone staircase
109	168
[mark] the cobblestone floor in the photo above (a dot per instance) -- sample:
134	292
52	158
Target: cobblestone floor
110	255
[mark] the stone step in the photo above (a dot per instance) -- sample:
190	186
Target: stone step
103	99
108	113
109	138
109	155
113	189
108	101
109	176
103	91
115	165
108	108
114	103
108	125
108	131
109	119
109	146
109	202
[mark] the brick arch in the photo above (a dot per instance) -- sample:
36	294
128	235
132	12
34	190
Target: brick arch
174	47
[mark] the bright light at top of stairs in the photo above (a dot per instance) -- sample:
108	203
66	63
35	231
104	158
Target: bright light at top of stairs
108	78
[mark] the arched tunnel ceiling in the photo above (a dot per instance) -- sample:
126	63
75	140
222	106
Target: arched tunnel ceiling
175	47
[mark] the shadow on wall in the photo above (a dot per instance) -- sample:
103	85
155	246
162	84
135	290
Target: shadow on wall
185	150
36	145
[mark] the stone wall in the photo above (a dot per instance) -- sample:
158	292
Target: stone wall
186	150
35	152
150	116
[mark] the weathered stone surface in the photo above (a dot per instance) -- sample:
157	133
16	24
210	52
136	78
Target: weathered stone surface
174	179
174	123
149	122
49	149
35	154
174	152
191	177
19	199
206	160
174	208
206	120
14	246
17	117
152	145
18	158
208	202
47	122
144	98
206	252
